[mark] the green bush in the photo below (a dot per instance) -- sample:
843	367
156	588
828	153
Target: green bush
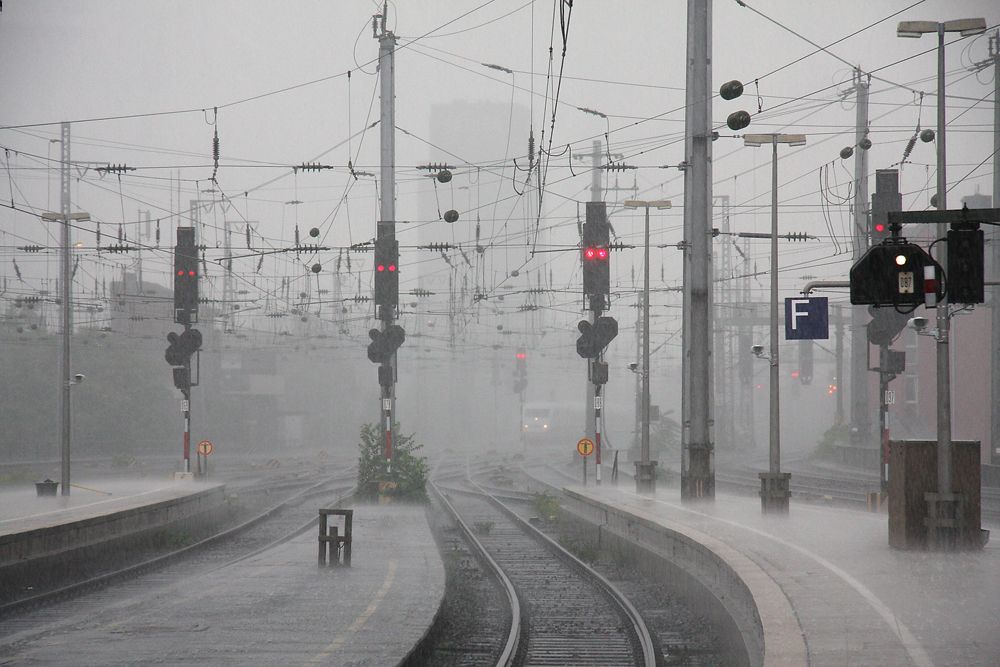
546	505
407	480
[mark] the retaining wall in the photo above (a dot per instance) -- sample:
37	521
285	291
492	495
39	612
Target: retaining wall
718	581
52	545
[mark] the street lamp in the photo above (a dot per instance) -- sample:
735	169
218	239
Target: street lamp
645	470
966	27
774	483
67	325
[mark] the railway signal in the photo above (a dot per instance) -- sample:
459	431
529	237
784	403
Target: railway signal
886	198
185	277
885	325
386	272
965	263
182	347
596	258
385	343
891	274
520	370
595	337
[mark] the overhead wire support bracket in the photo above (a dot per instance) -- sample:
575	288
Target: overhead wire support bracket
114	169
313	166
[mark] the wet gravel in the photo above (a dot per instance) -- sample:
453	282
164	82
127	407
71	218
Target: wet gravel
475	608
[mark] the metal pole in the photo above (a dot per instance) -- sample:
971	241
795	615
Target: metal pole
775	429
839	418
943	321
387	202
860	411
698	475
651	484
994	235
67	309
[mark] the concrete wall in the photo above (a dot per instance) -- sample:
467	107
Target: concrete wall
79	541
719	582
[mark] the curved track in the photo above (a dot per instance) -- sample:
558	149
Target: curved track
563	612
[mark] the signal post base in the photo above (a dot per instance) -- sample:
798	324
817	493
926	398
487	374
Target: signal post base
774	492
645	476
697	487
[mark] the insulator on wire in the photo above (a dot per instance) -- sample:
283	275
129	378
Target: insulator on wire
909	146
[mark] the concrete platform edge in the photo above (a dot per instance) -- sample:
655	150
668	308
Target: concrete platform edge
47	553
730	588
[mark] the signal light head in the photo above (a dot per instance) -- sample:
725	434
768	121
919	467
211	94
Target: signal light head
879	227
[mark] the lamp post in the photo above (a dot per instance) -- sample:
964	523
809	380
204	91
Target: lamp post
645	477
774	491
945	500
67	325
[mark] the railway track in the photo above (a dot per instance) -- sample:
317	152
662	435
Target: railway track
561	612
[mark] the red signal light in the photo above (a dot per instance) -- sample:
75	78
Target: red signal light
589	253
380	267
190	273
602	253
392	267
879	227
522	355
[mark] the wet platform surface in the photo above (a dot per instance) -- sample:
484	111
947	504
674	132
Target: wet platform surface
853	600
275	608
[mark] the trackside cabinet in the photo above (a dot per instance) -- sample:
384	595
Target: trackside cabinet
913	477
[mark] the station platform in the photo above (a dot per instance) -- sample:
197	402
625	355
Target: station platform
44	539
276	607
821	585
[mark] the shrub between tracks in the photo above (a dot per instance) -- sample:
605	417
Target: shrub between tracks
407	479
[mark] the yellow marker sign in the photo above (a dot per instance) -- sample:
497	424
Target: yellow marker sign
204	447
585	447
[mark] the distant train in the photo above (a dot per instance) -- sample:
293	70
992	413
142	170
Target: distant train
562	425
541	423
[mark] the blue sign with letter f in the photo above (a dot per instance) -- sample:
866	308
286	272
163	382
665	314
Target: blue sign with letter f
807	318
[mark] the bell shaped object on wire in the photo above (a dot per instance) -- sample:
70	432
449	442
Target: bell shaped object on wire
316	268
444	176
865	144
738	120
846	152
451	216
731	90
927	136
